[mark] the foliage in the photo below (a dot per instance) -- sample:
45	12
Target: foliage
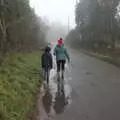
19	80
20	28
97	23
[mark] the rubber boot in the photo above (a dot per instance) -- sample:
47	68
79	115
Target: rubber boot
58	75
62	74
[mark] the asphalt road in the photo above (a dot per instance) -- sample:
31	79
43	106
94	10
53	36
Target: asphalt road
91	91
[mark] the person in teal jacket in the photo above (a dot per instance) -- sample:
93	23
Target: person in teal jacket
62	55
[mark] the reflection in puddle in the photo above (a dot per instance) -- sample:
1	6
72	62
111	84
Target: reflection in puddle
57	96
47	101
60	100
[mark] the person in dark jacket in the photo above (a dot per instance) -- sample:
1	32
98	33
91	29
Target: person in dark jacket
47	63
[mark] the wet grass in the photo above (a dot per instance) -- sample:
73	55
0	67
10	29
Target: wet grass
110	58
19	80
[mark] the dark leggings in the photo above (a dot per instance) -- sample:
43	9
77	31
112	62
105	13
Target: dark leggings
46	74
60	65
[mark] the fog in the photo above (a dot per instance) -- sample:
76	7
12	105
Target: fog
55	10
55	15
55	31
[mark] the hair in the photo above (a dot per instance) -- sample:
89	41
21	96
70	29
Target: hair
61	39
47	49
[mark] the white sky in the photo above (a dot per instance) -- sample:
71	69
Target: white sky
56	10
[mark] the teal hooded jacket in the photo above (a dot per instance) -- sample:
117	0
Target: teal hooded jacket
61	53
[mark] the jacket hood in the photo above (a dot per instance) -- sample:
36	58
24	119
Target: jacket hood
47	49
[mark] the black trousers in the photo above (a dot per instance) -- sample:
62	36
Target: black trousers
60	65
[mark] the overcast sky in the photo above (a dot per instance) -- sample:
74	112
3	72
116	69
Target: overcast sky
56	10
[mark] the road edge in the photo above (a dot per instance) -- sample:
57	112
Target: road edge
102	57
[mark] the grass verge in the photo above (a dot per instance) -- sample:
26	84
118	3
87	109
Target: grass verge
113	60
19	80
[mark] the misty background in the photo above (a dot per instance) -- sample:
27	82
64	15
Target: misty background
55	31
57	14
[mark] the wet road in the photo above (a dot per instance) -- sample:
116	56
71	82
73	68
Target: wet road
91	91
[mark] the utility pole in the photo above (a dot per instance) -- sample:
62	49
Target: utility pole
77	2
68	24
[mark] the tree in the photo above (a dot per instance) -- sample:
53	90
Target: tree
97	22
20	27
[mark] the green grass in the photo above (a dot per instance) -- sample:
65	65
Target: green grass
19	80
115	60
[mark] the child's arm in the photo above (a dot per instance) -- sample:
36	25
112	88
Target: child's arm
51	61
67	55
54	52
42	61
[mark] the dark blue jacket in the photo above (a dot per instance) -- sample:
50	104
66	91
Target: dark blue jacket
46	59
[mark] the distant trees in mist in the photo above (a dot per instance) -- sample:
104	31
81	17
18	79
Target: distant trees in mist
20	27
97	24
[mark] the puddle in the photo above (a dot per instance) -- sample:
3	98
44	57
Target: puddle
57	95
